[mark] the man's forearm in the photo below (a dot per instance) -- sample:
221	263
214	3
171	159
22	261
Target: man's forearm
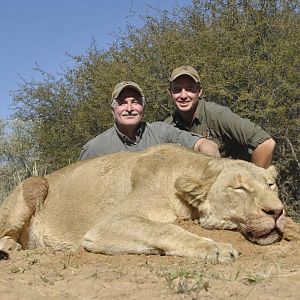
263	153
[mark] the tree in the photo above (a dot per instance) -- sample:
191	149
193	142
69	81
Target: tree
19	158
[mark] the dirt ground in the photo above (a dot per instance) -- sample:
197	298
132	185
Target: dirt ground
261	272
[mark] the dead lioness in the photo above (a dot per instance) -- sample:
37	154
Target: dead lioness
127	203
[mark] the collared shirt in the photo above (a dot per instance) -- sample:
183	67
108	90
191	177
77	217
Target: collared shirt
235	136
149	134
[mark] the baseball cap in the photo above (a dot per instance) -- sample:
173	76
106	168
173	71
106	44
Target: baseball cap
185	70
123	85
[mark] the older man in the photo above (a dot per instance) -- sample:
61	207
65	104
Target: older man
235	136
132	134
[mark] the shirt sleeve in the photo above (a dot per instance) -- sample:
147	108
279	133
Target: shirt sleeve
242	130
171	134
86	152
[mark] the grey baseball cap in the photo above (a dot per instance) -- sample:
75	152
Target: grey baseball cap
123	85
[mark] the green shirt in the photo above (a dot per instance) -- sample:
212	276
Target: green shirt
149	134
235	136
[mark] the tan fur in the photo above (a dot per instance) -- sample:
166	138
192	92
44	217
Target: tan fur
127	203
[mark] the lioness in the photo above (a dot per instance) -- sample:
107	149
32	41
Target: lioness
126	203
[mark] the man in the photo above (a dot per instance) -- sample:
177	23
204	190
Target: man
235	136
131	134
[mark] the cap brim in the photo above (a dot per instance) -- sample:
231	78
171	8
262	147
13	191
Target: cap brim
128	86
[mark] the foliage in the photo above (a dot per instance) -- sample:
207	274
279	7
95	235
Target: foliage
247	55
18	158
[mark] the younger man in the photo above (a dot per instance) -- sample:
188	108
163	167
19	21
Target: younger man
235	136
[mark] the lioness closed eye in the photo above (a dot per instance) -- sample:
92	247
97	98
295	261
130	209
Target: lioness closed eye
127	203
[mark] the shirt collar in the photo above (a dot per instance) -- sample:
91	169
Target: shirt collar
126	139
180	122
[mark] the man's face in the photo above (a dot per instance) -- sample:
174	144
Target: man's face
128	109
185	93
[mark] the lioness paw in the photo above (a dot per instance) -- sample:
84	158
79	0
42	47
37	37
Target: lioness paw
8	244
212	255
220	252
227	252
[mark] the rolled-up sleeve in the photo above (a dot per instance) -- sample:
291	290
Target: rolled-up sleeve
242	130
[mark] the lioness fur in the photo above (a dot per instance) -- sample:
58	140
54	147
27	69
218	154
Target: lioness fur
127	203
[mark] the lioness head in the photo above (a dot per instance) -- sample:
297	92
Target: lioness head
237	195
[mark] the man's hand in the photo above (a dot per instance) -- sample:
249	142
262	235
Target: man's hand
208	147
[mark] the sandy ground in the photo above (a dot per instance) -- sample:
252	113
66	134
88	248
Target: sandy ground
261	272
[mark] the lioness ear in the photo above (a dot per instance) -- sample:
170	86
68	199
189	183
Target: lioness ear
193	190
272	171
